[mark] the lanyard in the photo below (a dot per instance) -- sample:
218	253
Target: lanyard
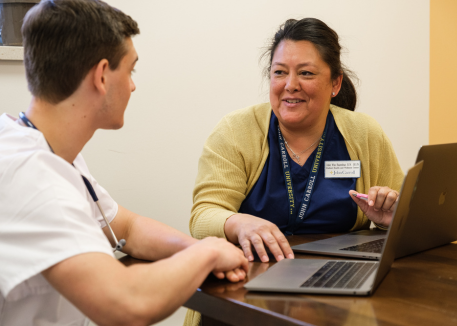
120	244
295	219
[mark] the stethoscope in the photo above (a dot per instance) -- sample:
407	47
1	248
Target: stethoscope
119	244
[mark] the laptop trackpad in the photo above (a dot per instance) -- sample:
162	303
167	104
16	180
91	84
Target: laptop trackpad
291	273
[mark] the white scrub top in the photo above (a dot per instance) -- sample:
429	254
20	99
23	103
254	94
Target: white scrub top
46	216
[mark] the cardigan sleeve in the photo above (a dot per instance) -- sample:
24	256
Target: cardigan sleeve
221	183
384	169
367	142
391	174
389	162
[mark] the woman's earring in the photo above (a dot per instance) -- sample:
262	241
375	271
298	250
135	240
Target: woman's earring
333	94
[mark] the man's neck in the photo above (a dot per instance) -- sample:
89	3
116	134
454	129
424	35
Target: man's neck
67	126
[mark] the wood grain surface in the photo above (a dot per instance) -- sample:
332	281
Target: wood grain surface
420	289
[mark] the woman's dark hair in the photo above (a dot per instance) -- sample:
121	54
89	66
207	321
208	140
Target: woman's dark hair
326	42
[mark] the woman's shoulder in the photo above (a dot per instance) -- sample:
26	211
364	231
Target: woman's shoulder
352	117
242	136
255	113
352	124
250	121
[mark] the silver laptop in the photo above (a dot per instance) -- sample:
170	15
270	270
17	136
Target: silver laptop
433	215
340	276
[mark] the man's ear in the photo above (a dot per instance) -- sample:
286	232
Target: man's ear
100	75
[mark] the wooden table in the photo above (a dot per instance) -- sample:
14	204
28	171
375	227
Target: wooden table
419	290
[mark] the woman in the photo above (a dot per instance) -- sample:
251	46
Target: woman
262	172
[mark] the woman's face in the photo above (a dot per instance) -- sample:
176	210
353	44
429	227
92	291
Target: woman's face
300	85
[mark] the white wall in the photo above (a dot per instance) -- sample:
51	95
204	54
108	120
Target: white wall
199	61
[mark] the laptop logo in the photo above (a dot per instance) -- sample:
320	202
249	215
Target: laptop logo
442	198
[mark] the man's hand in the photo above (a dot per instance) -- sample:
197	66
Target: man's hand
249	230
229	260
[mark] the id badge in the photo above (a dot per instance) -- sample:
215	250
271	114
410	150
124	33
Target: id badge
342	169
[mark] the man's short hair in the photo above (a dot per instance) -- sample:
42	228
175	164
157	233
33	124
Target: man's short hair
64	39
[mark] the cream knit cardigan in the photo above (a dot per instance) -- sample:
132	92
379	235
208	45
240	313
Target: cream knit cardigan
236	151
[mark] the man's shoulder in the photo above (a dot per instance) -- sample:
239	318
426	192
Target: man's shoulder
37	174
46	216
24	150
16	139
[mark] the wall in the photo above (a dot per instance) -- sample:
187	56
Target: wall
443	69
199	61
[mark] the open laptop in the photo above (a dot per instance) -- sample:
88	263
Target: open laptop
340	276
433	216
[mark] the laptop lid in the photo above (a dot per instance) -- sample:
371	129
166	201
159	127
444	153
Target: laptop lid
433	215
433	219
314	275
394	233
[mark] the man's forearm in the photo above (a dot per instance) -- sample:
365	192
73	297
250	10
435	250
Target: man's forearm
146	238
175	278
111	294
153	240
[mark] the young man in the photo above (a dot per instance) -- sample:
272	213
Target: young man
56	265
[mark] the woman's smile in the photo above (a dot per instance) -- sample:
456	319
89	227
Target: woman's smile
292	102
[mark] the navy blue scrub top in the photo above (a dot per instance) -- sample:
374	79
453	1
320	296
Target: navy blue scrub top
331	208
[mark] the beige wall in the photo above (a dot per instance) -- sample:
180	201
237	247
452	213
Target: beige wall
199	61
443	71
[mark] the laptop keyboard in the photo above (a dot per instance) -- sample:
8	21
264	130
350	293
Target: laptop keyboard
372	246
340	275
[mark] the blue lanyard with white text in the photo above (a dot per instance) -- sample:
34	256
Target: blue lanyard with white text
294	219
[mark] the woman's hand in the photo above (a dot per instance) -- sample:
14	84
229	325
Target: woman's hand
380	205
248	230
